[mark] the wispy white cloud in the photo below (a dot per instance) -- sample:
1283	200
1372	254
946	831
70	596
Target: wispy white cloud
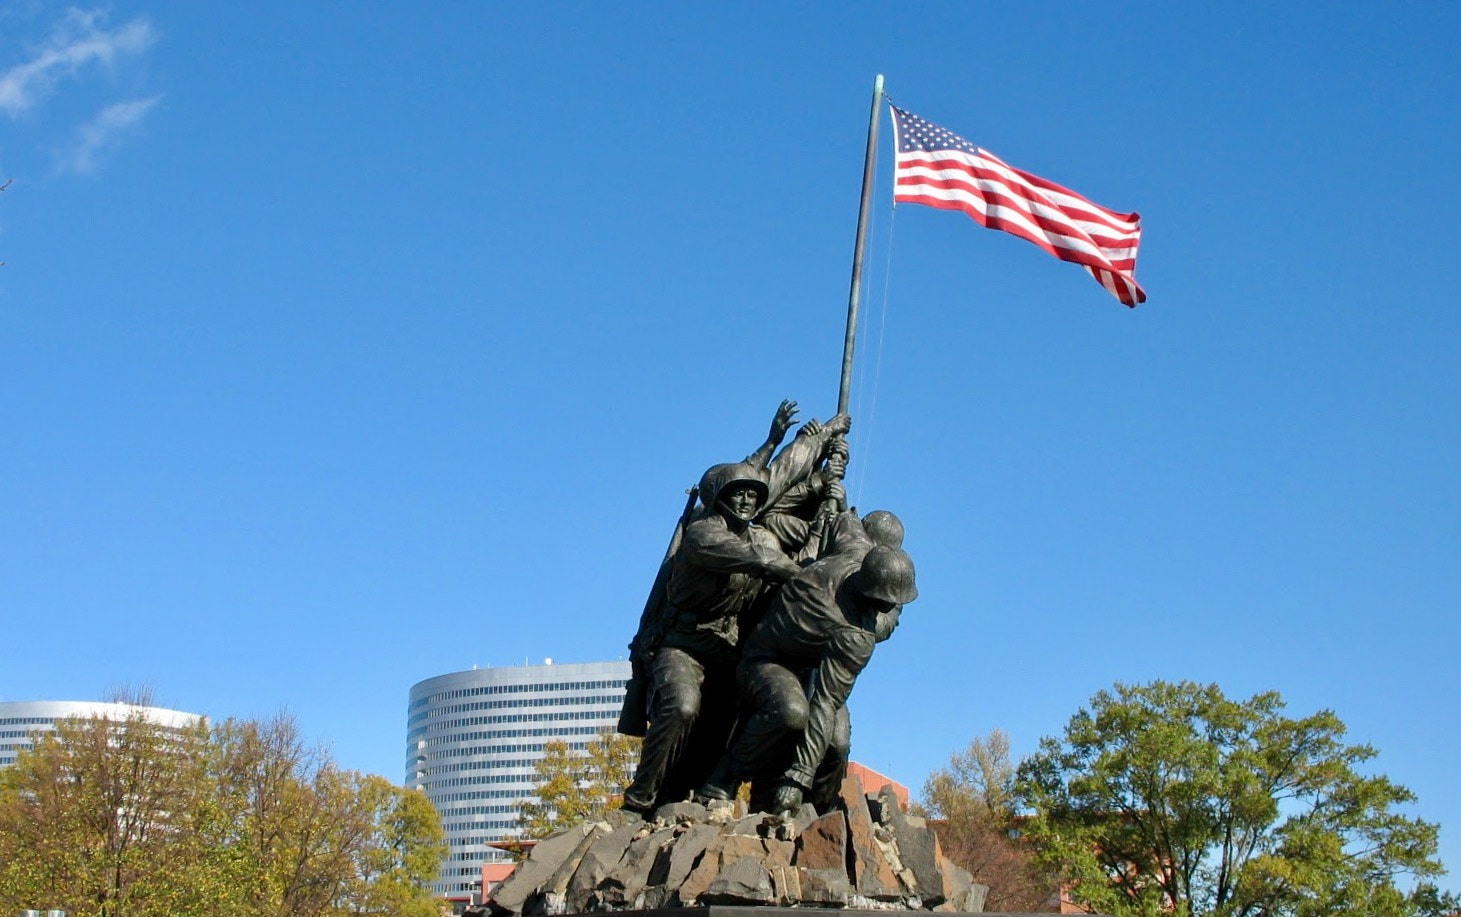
103	131
79	41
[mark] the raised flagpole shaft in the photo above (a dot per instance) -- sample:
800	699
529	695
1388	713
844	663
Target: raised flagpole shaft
853	295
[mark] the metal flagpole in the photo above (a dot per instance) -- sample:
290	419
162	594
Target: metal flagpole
850	339
852	297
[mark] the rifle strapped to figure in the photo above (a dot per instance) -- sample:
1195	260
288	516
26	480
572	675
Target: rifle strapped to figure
634	715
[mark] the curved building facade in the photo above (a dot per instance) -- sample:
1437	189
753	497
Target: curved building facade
473	738
21	720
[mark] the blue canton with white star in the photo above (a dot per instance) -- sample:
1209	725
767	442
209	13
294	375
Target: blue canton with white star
917	135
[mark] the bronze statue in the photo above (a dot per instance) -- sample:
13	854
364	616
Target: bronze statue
713	587
798	668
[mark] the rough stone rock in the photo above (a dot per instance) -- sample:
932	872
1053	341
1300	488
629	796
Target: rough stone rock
598	861
558	883
960	891
686	856
744	881
723	812
686	853
804	818
628	879
974	901
757	823
823	845
704	872
786	881
742	846
681	813
779	853
826	887
620	817
872	875
657	897
878	808
548	854
918	850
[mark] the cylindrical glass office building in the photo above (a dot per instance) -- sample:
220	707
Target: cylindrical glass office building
472	739
21	721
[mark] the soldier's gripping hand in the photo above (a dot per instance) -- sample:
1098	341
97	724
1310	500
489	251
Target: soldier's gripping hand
835	492
838	425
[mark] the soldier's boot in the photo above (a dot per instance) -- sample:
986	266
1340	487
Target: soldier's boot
719	789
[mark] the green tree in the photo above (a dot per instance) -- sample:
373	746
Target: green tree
107	817
406	847
124	818
575	786
1171	798
972	804
294	816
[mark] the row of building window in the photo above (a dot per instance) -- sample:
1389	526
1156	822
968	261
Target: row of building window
454	754
444	798
479	766
526	780
462	811
452	827
580	701
478	827
487	750
489	734
449	725
517	689
28	721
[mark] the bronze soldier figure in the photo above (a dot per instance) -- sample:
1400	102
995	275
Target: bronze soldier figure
799	666
716	586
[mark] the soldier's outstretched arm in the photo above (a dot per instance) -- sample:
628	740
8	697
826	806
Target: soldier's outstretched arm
800	457
781	422
708	546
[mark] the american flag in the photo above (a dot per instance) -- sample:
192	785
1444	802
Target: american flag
939	168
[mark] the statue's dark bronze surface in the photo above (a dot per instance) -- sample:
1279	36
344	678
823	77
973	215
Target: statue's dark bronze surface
767	606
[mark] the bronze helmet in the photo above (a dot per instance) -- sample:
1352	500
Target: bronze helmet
718	477
883	528
886	574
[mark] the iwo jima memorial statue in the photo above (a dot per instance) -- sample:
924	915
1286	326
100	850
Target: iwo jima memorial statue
770	601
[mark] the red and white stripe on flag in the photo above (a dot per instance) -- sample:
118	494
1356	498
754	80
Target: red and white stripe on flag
938	168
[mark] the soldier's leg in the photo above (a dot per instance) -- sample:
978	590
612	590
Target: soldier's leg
773	708
674	705
707	742
827	786
846	654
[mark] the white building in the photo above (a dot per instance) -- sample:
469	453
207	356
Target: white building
21	720
472	739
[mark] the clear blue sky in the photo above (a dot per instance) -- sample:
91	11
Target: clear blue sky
342	346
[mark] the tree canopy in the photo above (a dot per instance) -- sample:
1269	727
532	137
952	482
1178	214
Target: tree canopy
125	818
579	785
1174	799
972	804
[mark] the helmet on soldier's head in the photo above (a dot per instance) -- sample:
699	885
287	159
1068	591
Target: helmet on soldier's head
886	575
720	478
708	484
883	528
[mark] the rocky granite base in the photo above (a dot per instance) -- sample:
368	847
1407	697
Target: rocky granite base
868	855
